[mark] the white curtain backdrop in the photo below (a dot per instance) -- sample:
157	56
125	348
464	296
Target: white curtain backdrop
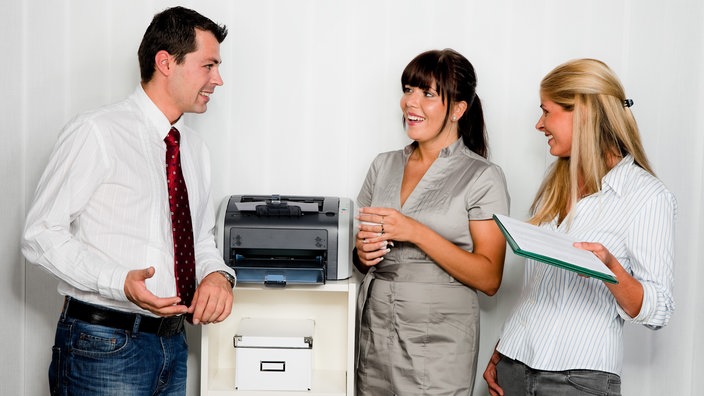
311	96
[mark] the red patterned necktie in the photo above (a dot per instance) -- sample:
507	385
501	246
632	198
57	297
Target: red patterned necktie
184	258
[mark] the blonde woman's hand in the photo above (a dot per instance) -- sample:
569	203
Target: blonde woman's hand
490	375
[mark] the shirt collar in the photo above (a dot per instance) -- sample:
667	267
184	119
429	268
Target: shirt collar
445	152
156	119
617	177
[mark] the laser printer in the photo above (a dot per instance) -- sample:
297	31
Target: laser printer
278	240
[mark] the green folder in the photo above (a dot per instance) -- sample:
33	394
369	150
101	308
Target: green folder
552	248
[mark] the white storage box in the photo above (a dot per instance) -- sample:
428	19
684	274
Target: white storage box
274	354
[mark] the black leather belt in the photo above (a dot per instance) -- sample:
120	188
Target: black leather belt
93	314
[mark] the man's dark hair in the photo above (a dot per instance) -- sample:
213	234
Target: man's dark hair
174	31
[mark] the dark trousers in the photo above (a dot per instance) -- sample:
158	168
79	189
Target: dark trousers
517	379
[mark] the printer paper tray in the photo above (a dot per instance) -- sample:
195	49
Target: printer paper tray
276	276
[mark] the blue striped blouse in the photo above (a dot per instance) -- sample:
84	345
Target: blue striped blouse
564	321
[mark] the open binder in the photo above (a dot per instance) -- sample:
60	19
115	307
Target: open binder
552	248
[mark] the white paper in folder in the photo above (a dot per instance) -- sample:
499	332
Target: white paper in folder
551	247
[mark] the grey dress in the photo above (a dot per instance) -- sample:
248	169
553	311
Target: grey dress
418	327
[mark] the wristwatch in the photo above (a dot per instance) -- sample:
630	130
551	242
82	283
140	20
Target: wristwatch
228	276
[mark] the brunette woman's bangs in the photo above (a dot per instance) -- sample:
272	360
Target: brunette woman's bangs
423	71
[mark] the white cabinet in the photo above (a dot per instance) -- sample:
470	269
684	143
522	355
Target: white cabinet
331	306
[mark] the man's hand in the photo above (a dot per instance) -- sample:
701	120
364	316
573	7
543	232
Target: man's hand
212	302
137	292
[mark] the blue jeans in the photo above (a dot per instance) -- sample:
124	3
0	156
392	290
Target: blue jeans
515	378
88	359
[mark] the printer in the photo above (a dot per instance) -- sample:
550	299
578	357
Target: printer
277	240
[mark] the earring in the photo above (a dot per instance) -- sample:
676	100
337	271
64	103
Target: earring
454	118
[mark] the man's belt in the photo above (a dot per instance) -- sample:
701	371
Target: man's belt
93	314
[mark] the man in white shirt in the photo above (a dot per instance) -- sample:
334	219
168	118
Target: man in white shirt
101	223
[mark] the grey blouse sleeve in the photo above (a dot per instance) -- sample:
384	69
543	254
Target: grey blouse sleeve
364	198
488	195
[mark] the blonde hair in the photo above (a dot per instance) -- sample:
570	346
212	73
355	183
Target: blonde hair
603	128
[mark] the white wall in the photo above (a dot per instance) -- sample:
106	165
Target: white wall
311	95
12	168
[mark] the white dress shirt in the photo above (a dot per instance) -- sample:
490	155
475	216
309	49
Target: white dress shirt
565	321
101	208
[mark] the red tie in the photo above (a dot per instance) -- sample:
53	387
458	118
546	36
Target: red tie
184	259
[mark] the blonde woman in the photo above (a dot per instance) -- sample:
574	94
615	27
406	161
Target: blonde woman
565	335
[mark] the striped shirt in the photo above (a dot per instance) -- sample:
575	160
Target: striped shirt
101	208
565	321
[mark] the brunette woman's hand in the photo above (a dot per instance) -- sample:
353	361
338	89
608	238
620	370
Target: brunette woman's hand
388	223
371	241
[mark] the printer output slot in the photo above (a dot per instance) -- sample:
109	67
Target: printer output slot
259	257
283	262
279	268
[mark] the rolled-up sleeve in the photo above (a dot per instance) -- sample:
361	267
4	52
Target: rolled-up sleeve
651	244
